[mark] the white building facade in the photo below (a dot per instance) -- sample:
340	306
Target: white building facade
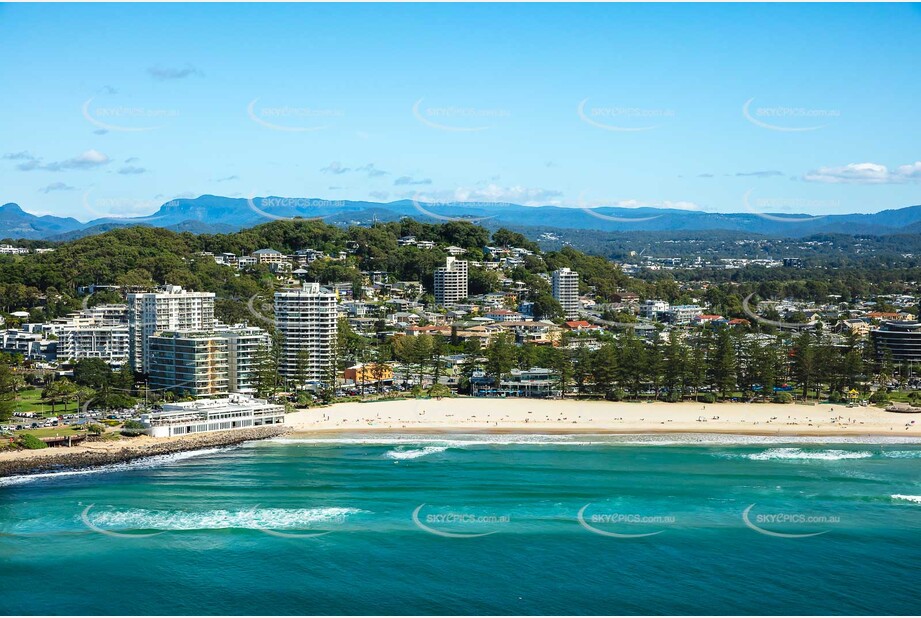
306	320
565	284
451	281
208	415
169	309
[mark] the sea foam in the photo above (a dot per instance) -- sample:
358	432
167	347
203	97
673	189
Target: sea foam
800	454
145	462
255	519
915	499
415	453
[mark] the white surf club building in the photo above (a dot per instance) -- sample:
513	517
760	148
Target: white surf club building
207	415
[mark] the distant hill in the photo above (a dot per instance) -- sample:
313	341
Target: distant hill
217	214
17	223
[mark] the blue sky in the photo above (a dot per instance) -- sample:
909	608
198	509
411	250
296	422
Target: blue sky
115	109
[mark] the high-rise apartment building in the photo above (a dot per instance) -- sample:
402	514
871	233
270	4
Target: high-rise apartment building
169	309
243	345
451	281
566	291
306	320
206	363
187	362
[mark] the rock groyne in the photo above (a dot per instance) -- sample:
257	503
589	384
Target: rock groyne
63	458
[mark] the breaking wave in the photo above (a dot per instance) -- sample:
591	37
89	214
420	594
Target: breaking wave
255	519
800	454
138	464
915	499
416	452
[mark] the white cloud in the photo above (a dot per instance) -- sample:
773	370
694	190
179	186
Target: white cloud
409	180
335	168
89	159
493	193
865	173
162	74
57	186
679	205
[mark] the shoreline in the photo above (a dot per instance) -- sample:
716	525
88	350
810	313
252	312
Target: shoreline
487	416
486	431
567	416
99	454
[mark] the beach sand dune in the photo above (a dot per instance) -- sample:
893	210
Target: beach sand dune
464	413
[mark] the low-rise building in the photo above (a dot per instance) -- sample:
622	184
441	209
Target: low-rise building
208	415
368	373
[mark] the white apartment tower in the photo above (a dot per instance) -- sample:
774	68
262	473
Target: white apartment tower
566	291
451	281
170	308
306	320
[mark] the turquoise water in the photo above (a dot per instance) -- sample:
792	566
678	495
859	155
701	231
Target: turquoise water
474	524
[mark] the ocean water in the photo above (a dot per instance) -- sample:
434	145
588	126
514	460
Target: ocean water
475	524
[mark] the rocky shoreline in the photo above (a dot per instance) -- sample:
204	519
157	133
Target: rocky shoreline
63	458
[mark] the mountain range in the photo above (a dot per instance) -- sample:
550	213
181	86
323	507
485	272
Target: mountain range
217	214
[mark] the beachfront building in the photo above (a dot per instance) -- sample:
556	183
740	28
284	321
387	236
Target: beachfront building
369	373
243	346
169	309
565	283
207	415
204	364
451	281
902	340
306	319
192	363
533	382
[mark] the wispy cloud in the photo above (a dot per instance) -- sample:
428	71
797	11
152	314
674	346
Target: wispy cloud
761	174
227	178
168	73
494	193
335	168
705	175
57	186
409	180
379	195
371	170
132	169
87	160
866	173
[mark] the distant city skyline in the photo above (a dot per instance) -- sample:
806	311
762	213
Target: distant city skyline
112	110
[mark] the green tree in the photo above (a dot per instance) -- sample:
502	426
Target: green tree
8	387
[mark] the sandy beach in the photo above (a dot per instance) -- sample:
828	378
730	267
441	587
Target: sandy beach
568	416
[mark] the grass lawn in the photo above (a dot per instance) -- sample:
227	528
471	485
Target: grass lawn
50	432
31	401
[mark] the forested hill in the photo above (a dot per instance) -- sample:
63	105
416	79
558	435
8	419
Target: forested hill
142	257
